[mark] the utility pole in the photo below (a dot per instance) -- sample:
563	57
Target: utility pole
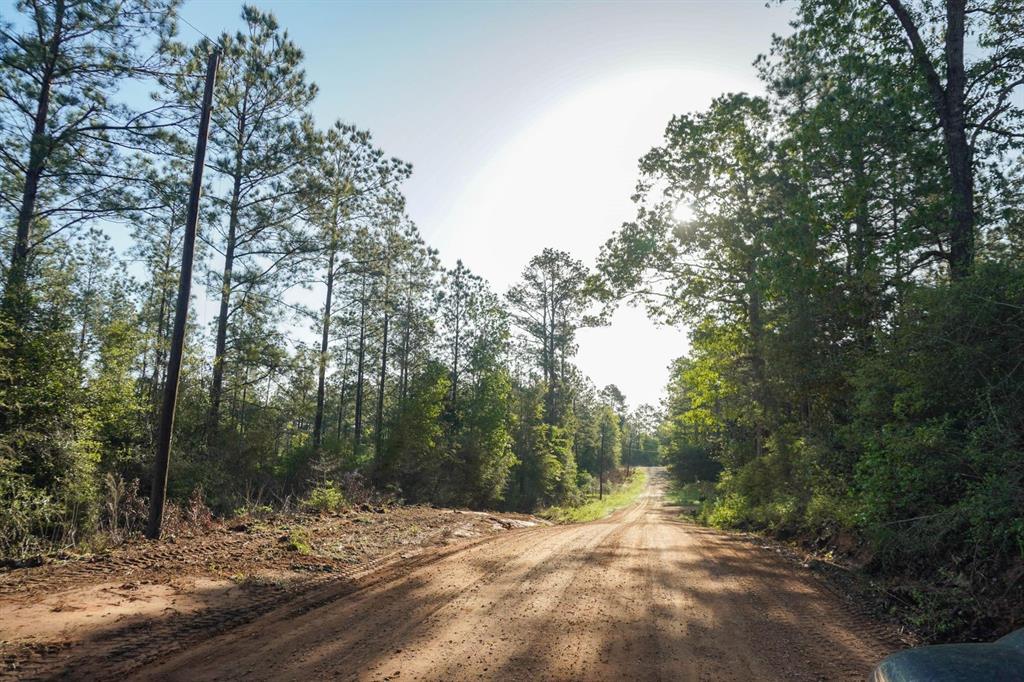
163	443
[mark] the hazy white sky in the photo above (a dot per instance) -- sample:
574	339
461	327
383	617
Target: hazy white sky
524	121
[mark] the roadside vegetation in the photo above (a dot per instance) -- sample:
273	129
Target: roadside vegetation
342	352
694	498
847	251
620	495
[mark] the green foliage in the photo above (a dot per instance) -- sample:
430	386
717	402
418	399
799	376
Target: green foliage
940	413
325	498
419	382
694	497
485	455
623	495
843	379
298	541
854	372
417	455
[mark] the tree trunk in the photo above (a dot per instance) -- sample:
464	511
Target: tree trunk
161	323
17	274
357	437
547	359
949	103
84	331
241	403
217	386
318	423
340	431
341	411
756	331
958	149
379	429
458	331
406	334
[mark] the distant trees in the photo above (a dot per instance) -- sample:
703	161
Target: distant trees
548	306
351	185
418	377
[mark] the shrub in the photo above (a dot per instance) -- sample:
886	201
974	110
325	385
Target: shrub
325	498
298	540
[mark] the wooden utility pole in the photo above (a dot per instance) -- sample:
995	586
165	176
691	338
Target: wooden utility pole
163	443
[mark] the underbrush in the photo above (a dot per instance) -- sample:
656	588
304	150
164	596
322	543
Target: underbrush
35	528
593	509
694	497
918	571
31	533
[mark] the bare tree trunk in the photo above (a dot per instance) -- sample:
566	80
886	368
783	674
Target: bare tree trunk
458	331
318	422
216	387
240	419
548	360
161	323
379	428
341	410
17	274
756	331
83	331
406	334
360	367
341	395
949	104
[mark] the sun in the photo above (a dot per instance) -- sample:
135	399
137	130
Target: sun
682	213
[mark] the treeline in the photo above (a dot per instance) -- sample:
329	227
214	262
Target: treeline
340	346
852	275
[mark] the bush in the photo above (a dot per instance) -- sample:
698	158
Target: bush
941	410
298	540
325	498
27	514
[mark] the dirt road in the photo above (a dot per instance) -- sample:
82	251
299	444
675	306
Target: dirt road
639	595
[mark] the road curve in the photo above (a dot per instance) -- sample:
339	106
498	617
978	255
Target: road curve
640	595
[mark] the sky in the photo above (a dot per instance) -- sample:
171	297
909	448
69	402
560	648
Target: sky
524	122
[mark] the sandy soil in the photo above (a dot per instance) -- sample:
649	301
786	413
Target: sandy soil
110	613
640	595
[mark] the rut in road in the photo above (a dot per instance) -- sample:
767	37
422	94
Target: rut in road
639	595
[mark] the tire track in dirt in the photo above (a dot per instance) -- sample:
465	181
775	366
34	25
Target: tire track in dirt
639	595
124	650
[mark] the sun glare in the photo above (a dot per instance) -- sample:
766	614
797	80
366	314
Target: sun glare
682	213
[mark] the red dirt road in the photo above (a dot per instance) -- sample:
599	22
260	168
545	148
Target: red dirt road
640	595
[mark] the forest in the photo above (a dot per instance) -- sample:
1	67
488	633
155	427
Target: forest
414	378
844	247
849	260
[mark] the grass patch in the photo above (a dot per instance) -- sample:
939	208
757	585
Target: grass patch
298	540
696	499
598	509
